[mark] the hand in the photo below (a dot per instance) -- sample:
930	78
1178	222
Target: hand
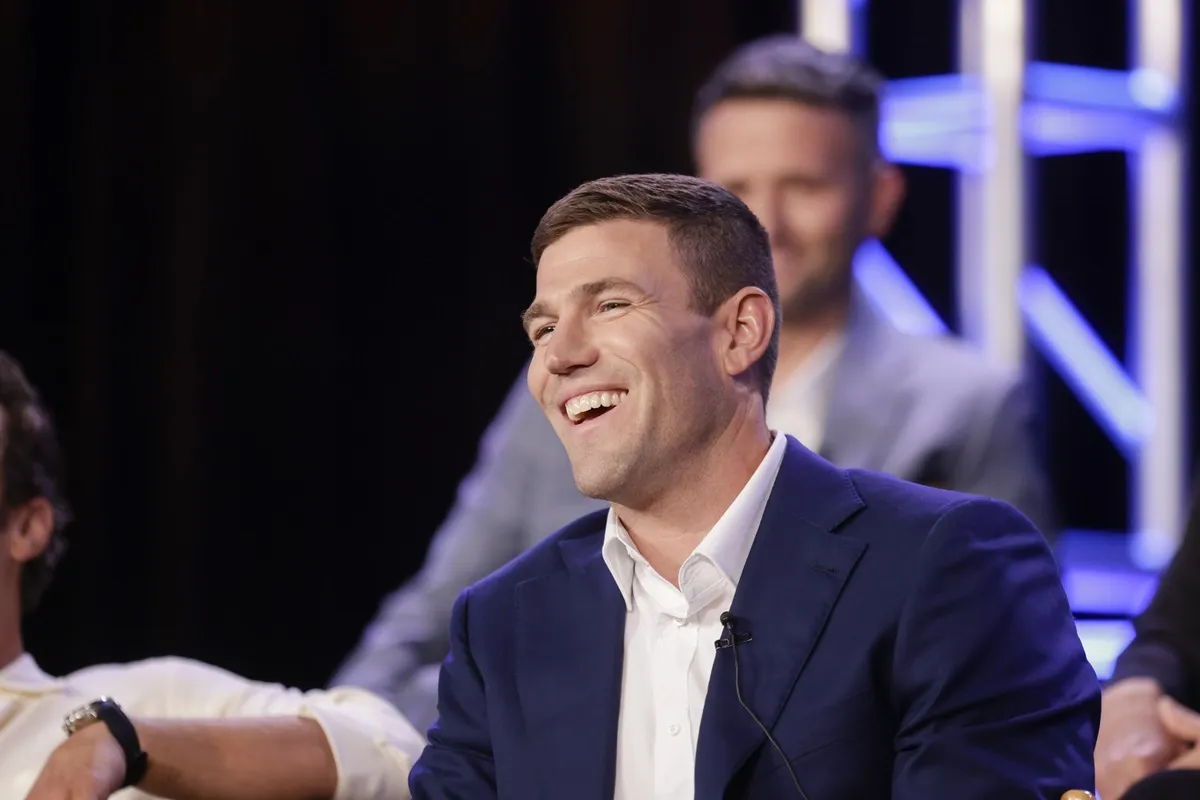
1134	741
1183	724
90	765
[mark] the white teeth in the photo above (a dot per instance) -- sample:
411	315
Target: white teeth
576	407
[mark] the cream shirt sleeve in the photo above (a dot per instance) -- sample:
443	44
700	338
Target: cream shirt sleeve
373	744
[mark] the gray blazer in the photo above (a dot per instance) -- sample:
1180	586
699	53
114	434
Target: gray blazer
930	410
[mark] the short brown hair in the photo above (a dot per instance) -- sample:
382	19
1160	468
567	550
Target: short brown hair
785	67
720	243
32	468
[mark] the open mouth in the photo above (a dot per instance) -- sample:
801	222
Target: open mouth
590	406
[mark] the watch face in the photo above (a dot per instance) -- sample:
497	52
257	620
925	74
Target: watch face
83	716
79	718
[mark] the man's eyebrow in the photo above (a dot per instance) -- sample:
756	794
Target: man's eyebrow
587	290
538	309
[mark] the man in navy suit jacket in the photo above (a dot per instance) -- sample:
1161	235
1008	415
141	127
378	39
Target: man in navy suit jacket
746	620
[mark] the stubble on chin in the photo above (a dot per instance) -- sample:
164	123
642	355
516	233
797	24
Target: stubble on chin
596	476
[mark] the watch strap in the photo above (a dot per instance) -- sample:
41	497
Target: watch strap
107	711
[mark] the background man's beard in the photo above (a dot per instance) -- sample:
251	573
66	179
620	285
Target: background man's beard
814	298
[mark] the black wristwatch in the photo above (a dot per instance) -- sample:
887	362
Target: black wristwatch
106	710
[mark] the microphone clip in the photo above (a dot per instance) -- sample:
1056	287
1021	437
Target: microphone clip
730	637
725	642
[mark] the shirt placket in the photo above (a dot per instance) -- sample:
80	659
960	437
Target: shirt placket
675	651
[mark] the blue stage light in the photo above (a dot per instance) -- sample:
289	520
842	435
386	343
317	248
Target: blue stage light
1079	355
892	292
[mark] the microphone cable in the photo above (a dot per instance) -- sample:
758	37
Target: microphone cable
728	621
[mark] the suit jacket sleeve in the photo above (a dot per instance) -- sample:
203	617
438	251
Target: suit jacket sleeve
399	653
994	694
457	763
999	458
1166	646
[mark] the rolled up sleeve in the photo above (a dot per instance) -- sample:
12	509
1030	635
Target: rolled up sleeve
373	744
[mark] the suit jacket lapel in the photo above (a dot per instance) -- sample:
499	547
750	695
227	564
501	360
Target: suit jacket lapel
792	579
571	635
868	401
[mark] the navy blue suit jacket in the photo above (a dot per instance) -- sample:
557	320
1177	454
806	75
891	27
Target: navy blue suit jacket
908	643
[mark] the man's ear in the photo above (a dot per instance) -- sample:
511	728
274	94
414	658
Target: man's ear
29	527
748	322
887	192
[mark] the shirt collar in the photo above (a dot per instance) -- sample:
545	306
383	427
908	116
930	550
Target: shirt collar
727	545
620	556
24	676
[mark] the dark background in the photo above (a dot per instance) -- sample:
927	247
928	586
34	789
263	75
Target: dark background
266	261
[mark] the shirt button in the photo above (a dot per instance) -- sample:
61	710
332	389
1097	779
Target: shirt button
673	729
681	621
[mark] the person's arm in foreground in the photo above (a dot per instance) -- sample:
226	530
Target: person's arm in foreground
215	736
1146	726
996	698
458	763
227	759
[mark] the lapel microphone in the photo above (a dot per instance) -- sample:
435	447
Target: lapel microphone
730	639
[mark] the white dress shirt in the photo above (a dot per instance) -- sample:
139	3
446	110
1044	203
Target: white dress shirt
373	745
669	635
800	402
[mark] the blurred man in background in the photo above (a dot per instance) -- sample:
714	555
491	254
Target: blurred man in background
170	727
794	132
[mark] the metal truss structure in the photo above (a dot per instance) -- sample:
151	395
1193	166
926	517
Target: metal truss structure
989	122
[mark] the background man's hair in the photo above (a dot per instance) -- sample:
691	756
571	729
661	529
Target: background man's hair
786	67
720	243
